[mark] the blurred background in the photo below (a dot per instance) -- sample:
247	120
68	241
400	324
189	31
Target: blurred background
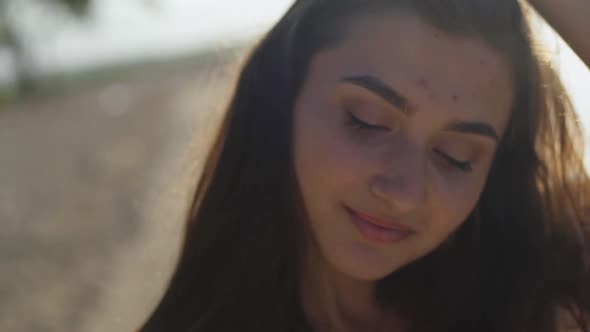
106	107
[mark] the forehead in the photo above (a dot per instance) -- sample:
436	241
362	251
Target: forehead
439	73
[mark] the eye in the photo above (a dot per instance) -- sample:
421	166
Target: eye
464	166
357	123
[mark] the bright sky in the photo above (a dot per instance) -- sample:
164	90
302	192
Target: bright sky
574	73
126	30
129	29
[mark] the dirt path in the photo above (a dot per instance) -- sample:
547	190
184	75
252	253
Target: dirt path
92	192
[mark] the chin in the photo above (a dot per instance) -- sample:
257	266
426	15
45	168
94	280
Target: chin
366	265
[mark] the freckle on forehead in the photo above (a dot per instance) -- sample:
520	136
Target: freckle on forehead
423	83
436	35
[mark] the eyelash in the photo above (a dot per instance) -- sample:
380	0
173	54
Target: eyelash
464	166
359	124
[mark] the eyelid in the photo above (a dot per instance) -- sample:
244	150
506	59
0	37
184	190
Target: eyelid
441	152
364	123
350	93
361	108
465	166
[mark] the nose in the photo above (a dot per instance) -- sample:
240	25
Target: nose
402	185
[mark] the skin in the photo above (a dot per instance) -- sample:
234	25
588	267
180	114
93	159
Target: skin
397	172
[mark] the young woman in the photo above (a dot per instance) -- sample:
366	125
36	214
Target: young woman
389	165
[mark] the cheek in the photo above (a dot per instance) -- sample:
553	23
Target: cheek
453	201
325	159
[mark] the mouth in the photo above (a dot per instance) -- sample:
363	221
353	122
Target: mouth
378	230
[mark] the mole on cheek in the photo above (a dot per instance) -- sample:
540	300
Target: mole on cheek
455	98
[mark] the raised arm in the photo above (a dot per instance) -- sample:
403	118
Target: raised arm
571	19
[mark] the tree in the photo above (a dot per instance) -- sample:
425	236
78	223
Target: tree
15	40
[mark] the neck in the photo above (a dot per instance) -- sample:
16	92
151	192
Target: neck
333	301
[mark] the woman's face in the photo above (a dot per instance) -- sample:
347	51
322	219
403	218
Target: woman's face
395	130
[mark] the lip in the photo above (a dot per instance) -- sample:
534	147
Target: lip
378	230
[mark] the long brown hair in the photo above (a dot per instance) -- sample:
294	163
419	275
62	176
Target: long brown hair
521	254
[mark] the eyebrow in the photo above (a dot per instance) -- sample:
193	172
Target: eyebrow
477	128
382	90
394	98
